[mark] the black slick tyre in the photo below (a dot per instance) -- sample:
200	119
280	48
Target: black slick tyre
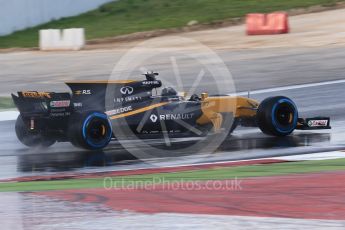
277	116
31	138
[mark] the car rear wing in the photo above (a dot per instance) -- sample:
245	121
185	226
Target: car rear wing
92	95
33	103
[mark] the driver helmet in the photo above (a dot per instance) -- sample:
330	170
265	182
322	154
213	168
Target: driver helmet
169	91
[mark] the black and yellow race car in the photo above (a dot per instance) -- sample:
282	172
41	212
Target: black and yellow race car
91	115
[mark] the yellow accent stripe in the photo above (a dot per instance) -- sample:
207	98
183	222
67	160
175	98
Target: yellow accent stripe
139	110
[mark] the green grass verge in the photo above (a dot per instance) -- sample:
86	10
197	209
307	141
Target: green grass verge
6	103
198	175
128	16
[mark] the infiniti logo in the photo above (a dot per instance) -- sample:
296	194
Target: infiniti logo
126	90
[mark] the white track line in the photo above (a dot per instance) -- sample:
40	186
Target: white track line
284	88
8	115
314	156
303	157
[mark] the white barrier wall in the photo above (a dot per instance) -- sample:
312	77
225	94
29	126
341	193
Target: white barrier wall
67	39
20	14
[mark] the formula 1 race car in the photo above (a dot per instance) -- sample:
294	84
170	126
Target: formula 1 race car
88	116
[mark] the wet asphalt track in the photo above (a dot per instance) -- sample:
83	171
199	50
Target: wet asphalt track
277	69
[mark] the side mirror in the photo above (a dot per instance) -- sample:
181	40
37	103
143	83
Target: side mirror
151	76
204	96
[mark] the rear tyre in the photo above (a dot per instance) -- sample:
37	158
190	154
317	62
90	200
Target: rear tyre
31	138
277	116
90	130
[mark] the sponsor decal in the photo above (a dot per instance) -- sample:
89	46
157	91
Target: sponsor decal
157	131
60	104
63	114
78	104
153	118
169	117
119	110
172	117
126	90
127	99
33	94
58	110
151	83
318	123
82	92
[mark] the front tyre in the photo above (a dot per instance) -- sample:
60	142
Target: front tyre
31	138
277	116
90	130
